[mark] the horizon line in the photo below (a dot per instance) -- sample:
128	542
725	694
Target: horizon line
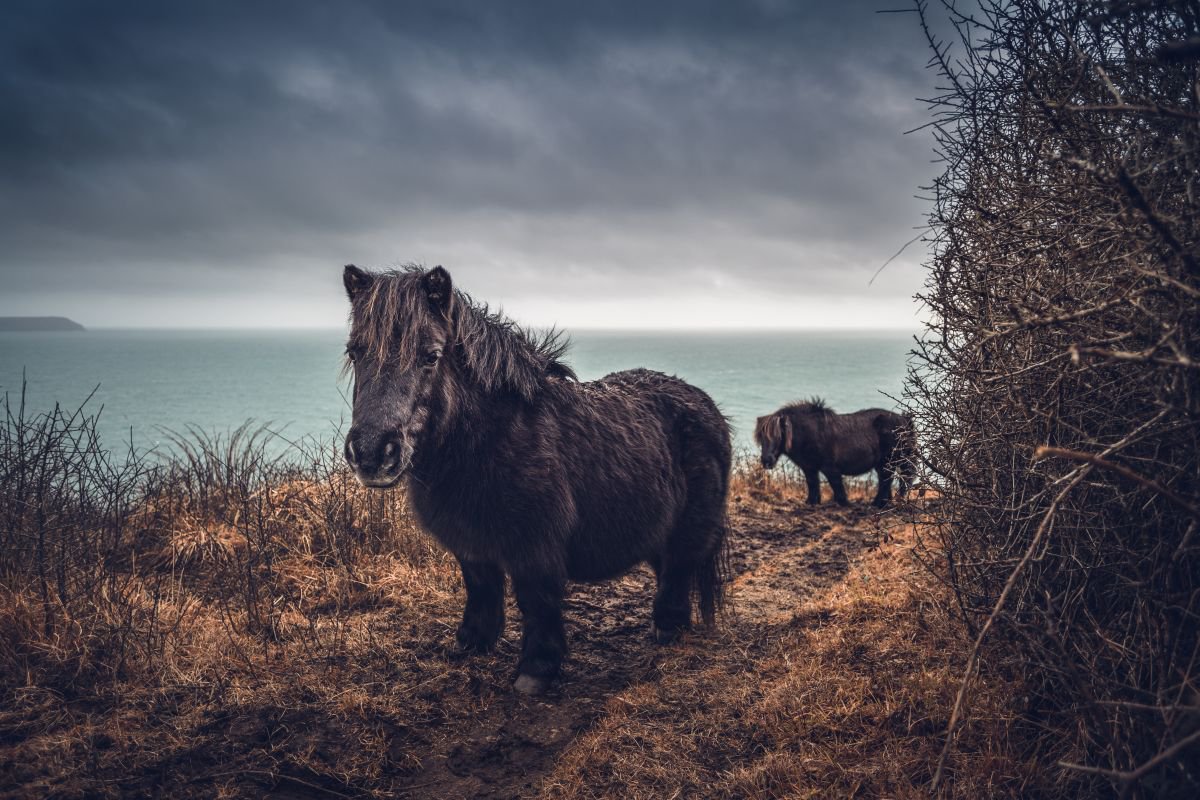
583	328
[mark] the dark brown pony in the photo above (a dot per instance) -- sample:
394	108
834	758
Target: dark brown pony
819	440
521	470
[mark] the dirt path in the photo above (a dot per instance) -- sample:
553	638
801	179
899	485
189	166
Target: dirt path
500	745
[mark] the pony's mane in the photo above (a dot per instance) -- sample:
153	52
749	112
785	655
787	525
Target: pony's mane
768	430
498	352
814	405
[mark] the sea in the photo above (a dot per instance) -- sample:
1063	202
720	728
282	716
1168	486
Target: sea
146	385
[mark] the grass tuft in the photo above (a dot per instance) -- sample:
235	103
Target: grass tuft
221	623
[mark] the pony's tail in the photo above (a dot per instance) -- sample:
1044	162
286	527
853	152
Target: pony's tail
711	577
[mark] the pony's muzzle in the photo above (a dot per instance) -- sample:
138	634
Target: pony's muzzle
768	462
377	458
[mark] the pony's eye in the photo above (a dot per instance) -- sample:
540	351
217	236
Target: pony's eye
432	357
351	354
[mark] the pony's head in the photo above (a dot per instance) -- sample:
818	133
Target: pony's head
422	355
773	433
401	332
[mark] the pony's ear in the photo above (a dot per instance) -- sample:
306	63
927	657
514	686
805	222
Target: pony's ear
438	289
786	424
356	281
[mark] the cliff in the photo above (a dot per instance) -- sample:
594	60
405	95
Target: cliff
39	324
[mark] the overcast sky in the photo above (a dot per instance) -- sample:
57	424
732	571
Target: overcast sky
591	164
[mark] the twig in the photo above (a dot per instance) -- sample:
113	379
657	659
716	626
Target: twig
1087	458
1135	775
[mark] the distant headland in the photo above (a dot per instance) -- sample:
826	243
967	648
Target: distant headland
39	324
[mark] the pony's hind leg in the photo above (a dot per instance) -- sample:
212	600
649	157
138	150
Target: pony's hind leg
694	552
905	473
812	477
884	493
673	599
543	641
483	617
839	488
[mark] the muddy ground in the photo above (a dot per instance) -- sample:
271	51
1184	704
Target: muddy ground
502	747
385	707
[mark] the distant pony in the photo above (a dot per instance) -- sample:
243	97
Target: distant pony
521	470
819	440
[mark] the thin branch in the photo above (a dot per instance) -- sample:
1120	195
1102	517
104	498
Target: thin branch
1120	469
1132	776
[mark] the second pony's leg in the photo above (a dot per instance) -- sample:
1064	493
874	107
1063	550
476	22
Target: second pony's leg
904	479
905	471
839	489
884	494
812	477
543	641
483	617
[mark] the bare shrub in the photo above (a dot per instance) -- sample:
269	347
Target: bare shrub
106	556
71	606
1057	387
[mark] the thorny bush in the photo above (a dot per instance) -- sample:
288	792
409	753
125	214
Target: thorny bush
1057	387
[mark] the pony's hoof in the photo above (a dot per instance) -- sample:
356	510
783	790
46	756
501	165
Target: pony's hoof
666	635
531	686
470	641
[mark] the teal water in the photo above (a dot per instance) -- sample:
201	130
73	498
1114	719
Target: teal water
154	381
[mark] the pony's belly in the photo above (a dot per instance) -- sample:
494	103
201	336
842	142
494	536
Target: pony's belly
602	550
593	567
855	468
515	548
855	462
589	562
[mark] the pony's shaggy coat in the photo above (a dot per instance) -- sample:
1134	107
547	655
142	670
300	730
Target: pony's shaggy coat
819	440
521	470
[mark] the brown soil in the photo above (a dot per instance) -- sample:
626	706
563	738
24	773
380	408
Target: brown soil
506	745
358	690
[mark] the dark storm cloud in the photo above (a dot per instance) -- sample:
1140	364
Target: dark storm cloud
155	147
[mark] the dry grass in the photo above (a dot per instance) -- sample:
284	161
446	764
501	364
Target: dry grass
846	697
231	626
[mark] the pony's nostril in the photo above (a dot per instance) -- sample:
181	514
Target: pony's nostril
351	456
391	455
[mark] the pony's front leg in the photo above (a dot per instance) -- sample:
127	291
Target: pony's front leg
543	642
839	488
483	617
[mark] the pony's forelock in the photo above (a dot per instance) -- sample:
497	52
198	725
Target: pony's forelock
768	431
388	316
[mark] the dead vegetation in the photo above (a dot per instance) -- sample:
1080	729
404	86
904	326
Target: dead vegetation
228	624
1057	389
842	694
